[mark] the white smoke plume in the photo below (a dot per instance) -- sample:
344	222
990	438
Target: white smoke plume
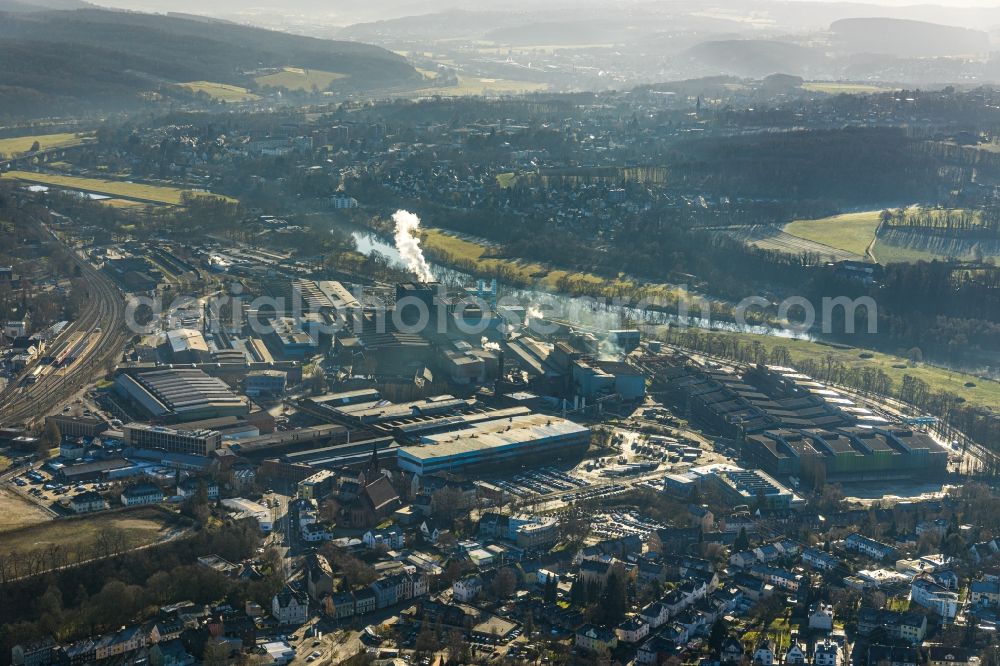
489	346
408	245
534	311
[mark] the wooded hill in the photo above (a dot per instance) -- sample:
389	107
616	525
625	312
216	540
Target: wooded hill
64	61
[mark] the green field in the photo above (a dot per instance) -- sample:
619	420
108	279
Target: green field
985	393
294	78
835	88
221	91
851	232
113	188
895	254
470	85
23	144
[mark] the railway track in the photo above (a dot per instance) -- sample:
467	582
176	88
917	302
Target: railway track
22	404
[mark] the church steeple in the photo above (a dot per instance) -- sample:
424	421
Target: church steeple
372	471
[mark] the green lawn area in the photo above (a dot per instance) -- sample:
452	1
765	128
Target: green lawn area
985	393
113	188
506	180
900	604
294	78
851	232
896	254
221	91
22	144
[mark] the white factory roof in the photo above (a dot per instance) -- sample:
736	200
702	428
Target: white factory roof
495	434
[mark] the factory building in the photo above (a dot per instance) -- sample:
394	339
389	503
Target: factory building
495	442
265	382
187	345
847	453
196	442
289	339
180	394
375	411
77	426
792	425
738	485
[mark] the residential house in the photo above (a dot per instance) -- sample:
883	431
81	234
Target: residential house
190	486
143	493
731	651
901	626
431	531
820	560
319	576
768	553
926	592
592	637
656	650
869	547
743	559
649	571
776	576
341	605
466	589
122	642
632	630
596	571
390	538
87	502
984	592
947	655
763	654
701	516
946	578
821	616
796	655
937	527
290	607
365	601
387	590
36	653
655	614
983	551
316	532
826	653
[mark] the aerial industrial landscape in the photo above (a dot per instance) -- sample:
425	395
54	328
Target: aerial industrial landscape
587	333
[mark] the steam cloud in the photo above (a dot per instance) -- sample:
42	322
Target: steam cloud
408	245
534	311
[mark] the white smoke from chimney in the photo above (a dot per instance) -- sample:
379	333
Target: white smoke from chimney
534	311
489	346
408	245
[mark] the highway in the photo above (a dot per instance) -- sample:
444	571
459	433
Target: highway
104	320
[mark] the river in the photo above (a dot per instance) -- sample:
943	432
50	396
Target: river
587	312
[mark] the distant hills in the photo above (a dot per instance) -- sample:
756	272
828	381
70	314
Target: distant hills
906	38
757	57
57	60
